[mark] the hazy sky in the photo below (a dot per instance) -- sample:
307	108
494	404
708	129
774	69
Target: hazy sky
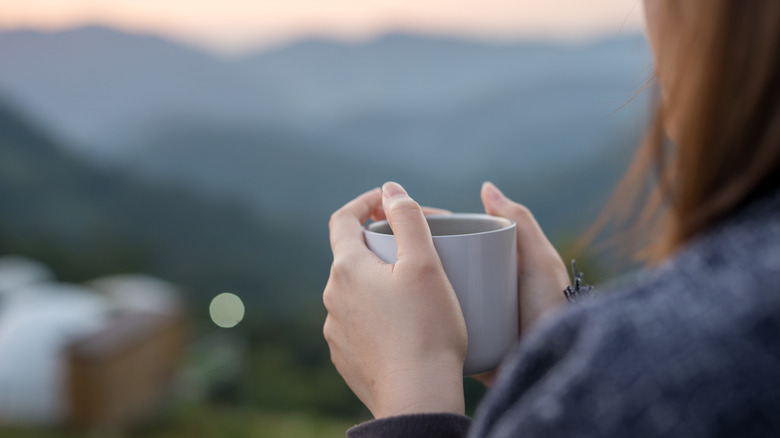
233	25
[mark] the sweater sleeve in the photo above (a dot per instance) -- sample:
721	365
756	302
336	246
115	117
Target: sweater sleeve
442	425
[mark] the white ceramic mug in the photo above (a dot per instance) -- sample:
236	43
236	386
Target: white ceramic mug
479	255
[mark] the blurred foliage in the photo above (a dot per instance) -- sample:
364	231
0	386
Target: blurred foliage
206	420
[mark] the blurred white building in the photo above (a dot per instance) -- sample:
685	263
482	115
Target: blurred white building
38	318
18	271
65	350
139	292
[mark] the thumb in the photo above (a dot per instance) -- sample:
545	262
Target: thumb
496	204
406	219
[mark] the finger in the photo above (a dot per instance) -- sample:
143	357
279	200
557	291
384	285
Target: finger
379	213
486	379
346	224
496	204
431	211
406	218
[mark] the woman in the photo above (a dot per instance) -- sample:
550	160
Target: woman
692	348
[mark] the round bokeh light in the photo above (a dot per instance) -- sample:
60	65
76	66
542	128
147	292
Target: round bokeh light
226	310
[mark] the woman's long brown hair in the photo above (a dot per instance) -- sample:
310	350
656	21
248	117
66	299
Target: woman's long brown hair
719	66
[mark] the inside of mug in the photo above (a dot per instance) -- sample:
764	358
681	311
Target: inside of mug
452	225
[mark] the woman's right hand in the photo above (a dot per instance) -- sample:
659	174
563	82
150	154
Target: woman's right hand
396	331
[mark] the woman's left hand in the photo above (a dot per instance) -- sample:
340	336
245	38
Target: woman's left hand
395	331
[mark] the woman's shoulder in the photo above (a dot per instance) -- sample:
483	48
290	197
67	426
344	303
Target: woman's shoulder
688	346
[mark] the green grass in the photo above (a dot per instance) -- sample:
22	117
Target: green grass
206	421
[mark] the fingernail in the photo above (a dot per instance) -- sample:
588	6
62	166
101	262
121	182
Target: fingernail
492	191
391	189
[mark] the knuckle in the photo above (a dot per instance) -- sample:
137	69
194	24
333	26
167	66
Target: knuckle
405	205
428	267
521	212
343	266
335	217
337	275
340	268
327	331
327	298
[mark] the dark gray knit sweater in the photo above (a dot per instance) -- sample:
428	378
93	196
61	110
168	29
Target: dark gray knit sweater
690	349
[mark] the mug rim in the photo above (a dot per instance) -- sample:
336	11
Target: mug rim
508	224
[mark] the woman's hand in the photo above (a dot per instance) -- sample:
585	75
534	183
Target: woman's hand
541	274
396	332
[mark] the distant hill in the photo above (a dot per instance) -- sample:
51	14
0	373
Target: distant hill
86	222
93	84
295	131
294	179
102	88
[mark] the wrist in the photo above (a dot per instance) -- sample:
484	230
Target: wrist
431	389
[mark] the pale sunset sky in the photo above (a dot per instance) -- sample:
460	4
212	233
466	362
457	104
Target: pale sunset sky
237	25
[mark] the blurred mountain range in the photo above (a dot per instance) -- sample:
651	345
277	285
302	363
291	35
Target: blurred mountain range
218	166
431	112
